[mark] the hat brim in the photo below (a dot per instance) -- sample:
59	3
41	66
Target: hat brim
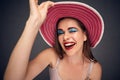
81	11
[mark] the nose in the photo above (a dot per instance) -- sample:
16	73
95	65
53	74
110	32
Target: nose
66	36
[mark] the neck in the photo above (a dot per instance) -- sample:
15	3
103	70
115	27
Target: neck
75	59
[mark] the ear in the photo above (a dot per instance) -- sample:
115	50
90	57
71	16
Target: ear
85	36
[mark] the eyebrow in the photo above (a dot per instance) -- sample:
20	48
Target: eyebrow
71	28
68	28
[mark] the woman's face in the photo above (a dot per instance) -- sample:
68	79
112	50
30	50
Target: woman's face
70	36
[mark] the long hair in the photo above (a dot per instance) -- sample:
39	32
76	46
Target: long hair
86	46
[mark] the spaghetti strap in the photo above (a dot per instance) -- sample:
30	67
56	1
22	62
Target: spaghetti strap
57	63
89	69
54	74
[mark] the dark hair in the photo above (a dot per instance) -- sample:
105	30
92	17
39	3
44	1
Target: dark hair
86	46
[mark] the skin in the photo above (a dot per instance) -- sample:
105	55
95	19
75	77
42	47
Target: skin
20	68
74	58
77	37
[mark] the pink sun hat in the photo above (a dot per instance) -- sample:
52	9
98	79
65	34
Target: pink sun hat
81	11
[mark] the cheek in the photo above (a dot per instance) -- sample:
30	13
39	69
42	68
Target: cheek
80	37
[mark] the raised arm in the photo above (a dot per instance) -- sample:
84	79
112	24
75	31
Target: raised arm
19	59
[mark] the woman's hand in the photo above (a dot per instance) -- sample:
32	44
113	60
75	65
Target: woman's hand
38	12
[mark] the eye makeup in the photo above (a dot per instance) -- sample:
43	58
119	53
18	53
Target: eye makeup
72	29
60	31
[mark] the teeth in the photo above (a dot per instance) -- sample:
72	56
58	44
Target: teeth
69	44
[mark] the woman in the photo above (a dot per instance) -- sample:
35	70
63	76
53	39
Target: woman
70	38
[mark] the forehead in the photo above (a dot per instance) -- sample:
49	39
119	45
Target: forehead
68	22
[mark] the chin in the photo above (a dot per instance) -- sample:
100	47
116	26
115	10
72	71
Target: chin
70	53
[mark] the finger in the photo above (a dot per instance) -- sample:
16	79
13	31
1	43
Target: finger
46	4
49	4
33	3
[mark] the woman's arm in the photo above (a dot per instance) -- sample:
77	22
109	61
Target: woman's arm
38	64
18	62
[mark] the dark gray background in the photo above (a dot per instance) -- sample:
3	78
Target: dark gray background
13	16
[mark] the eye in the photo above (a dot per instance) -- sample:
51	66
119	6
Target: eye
71	30
59	32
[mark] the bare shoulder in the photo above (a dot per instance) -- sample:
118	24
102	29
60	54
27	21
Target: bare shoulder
48	51
96	71
40	62
97	67
50	54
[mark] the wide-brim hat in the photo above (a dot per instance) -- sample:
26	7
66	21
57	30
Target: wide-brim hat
81	11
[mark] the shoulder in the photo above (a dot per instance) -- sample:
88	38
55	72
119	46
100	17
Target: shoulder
97	67
51	55
96	71
48	52
41	61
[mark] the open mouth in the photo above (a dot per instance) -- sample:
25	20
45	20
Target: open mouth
69	45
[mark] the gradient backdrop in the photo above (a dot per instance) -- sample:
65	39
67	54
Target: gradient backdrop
13	16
